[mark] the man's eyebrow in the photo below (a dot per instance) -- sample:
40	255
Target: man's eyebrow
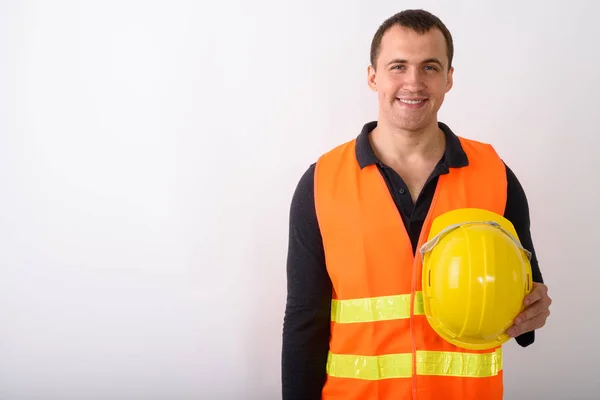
427	61
433	60
396	61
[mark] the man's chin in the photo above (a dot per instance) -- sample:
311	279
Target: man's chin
408	124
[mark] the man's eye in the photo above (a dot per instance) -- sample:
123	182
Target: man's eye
431	68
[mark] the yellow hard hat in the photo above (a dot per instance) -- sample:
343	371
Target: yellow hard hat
476	275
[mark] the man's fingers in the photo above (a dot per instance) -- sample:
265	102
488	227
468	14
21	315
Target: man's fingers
535	323
538	292
530	313
536	308
537	311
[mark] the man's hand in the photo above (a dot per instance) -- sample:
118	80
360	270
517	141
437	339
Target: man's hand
537	310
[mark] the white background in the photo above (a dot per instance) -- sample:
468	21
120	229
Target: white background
149	152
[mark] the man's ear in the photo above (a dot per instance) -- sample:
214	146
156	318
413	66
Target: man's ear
371	78
450	79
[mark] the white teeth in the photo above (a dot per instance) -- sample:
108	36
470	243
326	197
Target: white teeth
411	101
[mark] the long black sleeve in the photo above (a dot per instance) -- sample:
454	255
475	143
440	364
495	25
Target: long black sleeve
307	313
517	212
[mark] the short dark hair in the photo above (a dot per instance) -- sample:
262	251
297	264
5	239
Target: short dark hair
420	21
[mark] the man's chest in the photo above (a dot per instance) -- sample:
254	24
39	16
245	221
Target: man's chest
415	178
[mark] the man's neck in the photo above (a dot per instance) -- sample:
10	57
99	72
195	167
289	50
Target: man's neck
395	146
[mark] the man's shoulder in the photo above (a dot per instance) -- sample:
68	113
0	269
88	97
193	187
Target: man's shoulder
474	142
463	137
305	186
339	149
306	181
473	146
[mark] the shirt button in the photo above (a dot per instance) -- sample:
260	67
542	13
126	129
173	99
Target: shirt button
401	191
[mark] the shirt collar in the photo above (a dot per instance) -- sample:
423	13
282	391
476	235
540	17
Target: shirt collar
454	155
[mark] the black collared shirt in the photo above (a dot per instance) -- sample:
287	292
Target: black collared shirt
306	325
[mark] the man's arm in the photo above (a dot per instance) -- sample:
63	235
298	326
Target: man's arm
307	314
517	212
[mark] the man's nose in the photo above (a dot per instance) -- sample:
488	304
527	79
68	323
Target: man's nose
413	80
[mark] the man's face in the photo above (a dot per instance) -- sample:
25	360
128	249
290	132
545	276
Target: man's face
411	78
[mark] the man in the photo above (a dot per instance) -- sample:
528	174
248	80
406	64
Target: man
346	242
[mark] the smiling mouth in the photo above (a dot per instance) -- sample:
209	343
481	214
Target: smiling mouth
405	101
412	104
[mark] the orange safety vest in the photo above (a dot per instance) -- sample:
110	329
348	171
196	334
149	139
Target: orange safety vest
381	345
